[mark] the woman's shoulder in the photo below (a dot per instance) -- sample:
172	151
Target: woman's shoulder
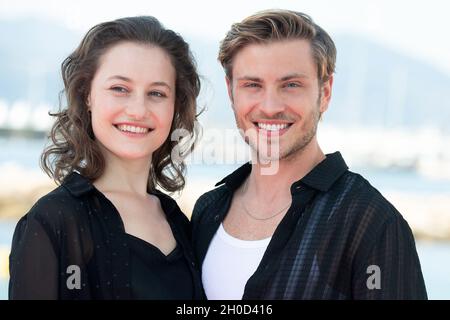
55	203
47	215
171	207
59	204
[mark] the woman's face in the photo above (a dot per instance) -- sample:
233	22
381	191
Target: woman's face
132	100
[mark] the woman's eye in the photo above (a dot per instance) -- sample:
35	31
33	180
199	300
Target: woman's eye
157	94
119	89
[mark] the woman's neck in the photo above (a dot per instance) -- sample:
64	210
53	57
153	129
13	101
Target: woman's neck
126	176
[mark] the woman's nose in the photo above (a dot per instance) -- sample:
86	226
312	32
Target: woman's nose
137	108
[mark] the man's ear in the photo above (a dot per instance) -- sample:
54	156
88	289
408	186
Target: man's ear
229	88
326	94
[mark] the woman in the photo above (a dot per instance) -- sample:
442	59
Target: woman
106	232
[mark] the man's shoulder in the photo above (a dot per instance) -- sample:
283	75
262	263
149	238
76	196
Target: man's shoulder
208	200
365	202
371	220
363	191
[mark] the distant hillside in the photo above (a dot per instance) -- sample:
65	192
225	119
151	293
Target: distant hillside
376	86
31	53
373	86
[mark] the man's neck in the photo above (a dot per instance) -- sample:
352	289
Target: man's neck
288	171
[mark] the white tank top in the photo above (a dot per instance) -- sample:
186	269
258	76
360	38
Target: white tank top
229	263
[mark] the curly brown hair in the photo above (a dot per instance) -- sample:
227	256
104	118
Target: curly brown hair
73	146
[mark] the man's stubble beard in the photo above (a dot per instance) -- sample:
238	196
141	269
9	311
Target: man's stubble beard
309	127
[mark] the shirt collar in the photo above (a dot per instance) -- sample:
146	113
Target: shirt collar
235	179
77	185
321	177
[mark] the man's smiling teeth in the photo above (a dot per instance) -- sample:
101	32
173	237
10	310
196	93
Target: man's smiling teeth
273	127
127	128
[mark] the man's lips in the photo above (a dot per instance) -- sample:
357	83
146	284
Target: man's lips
273	127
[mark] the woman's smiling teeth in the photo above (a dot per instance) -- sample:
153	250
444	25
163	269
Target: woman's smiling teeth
273	127
133	129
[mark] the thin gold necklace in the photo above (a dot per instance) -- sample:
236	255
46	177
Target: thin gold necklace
261	219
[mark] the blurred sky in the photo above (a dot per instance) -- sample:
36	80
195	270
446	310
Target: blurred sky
417	28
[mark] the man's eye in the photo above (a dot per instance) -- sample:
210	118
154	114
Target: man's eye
158	94
252	85
119	89
293	85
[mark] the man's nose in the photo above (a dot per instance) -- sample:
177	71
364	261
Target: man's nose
272	103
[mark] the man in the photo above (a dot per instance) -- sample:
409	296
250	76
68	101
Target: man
311	229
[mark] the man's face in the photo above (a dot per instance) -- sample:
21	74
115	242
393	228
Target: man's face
276	96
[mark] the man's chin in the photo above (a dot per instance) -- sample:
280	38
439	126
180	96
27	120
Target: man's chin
270	156
265	157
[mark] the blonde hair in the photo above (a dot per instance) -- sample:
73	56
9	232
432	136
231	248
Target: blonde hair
277	25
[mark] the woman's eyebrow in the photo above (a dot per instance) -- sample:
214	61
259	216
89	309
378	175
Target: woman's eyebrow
156	83
119	77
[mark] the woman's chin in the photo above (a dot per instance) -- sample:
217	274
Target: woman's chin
134	156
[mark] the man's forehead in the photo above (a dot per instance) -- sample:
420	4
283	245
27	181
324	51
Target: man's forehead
278	59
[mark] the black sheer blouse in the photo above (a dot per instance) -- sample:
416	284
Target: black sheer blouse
156	276
72	245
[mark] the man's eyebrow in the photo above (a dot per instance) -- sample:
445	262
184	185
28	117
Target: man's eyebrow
250	78
285	78
293	76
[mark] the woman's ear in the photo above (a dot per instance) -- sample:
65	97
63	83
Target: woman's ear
88	102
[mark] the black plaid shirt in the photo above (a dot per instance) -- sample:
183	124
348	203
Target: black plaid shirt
338	238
